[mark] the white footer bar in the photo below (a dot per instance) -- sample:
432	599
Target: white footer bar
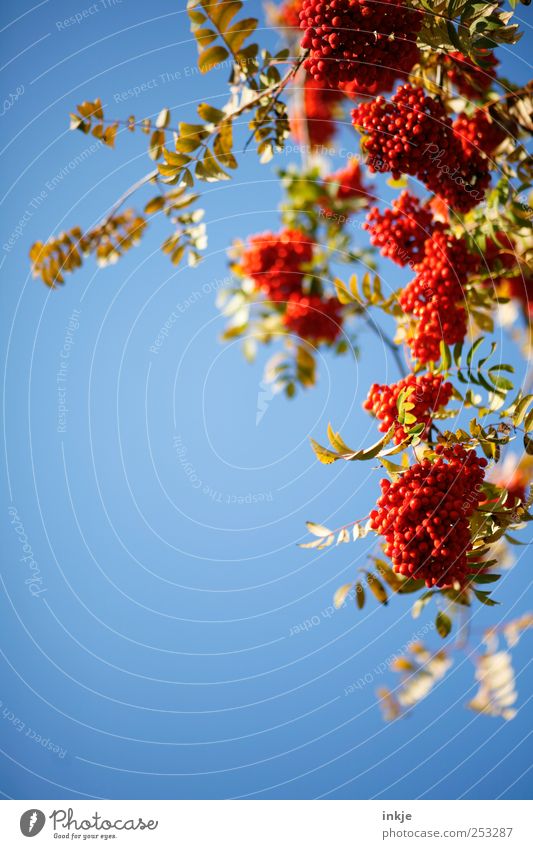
267	824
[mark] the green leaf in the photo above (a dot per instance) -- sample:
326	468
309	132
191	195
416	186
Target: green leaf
169	172
337	442
343	294
191	130
212	57
177	160
222	13
443	624
528	444
205	37
446	356
528	422
323	454
239	32
377	588
457	354
486	579
209	169
327	456
210	114
521	410
223	144
367	286
411	586
389	576
484	598
498	380
473	349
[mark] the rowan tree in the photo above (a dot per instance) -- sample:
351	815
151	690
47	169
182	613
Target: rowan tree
418	83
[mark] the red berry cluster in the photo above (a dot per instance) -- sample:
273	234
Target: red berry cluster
400	130
313	318
440	321
319	106
356	90
412	134
516	492
349	182
478	132
443	272
429	393
401	231
502	255
521	289
516	484
435	296
274	261
365	42
288	14
424	516
471	80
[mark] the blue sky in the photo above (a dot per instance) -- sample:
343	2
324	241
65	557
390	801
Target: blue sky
165	654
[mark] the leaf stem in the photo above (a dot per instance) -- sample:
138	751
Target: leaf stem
382	336
130	191
277	89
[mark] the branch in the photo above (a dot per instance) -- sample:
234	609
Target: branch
276	92
132	189
376	329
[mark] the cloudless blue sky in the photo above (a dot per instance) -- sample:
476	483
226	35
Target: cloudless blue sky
162	657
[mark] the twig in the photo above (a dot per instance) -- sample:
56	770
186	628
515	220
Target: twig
275	89
276	93
388	342
132	189
439	76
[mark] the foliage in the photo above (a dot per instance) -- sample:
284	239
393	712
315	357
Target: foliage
454	126
421	670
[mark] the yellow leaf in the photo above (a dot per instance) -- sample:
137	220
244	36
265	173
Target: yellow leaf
323	454
155	204
340	595
163	119
212	57
317	530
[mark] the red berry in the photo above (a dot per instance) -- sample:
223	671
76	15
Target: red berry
401	231
412	134
318	124
349	186
274	261
436	298
516	482
429	393
313	318
424	538
288	15
478	132
367	43
470	79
